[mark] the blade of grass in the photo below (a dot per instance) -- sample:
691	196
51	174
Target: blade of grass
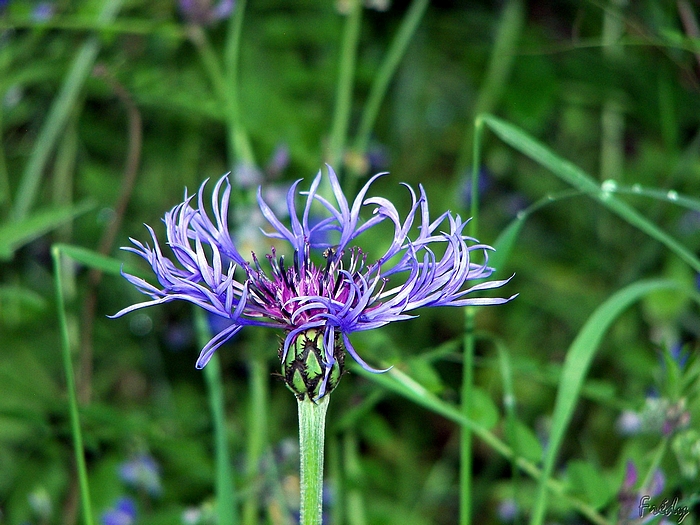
495	80
579	179
257	425
225	491
97	261
239	142
578	359
76	432
386	71
343	94
354	501
58	114
14	235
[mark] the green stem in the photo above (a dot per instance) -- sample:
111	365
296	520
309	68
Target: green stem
225	85
72	395
354	502
312	424
257	427
465	473
4	178
239	141
496	77
343	99
225	491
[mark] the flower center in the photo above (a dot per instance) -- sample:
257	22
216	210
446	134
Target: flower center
298	294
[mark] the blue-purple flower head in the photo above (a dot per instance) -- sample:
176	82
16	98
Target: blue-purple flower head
327	288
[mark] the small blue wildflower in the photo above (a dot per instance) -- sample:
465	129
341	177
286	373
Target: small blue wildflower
679	354
508	510
123	513
630	499
202	12
318	302
43	12
629	423
142	473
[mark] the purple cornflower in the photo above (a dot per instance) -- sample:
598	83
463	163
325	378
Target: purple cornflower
318	302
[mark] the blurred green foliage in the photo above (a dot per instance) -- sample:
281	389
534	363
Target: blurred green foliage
612	87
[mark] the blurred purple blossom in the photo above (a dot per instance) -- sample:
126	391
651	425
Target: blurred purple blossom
484	184
247	175
43	12
142	473
507	510
279	160
202	12
630	498
123	513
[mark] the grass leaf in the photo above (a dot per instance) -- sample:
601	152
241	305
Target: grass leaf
14	235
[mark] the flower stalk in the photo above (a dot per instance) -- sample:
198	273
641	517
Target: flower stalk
312	427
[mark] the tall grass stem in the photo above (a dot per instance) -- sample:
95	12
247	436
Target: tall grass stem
343	94
78	448
225	490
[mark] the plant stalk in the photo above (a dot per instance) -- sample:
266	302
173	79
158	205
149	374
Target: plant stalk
312	428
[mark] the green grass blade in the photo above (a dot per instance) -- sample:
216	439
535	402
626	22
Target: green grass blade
343	95
78	448
58	114
97	261
386	71
576	364
579	179
14	235
225	491
505	242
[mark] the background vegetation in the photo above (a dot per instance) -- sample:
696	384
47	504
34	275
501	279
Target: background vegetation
108	110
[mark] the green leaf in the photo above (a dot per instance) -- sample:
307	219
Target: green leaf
14	235
424	372
505	242
97	261
585	479
526	443
482	409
